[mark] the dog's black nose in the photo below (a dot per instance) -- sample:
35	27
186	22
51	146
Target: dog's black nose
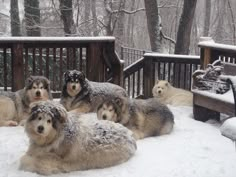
159	91
40	129
38	93
104	117
73	87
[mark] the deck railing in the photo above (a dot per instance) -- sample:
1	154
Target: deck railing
51	57
131	55
211	51
140	77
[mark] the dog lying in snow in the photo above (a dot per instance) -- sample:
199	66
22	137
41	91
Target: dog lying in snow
64	142
81	95
167	94
14	106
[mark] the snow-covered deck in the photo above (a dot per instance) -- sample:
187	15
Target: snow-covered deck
194	149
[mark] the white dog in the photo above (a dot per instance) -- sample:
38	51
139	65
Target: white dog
167	94
64	142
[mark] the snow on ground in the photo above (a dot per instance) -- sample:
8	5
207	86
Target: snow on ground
194	149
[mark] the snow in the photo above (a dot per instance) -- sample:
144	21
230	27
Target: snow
226	97
228	128
55	39
193	149
212	44
154	54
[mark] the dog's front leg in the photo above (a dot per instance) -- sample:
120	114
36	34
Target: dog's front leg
45	165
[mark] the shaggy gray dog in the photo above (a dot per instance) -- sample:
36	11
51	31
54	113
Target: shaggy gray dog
14	106
81	95
64	142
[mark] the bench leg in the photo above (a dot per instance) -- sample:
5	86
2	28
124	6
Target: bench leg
203	114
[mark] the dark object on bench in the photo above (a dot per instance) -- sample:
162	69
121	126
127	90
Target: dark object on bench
209	79
207	106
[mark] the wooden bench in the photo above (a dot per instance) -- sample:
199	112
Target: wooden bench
208	105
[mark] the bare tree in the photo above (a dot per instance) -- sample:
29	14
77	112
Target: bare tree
15	19
153	24
185	26
94	15
32	17
207	17
67	17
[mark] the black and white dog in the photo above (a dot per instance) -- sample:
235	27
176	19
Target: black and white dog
81	95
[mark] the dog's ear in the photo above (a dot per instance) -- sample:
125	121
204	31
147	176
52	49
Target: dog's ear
167	84
157	81
82	76
60	114
29	80
66	76
119	102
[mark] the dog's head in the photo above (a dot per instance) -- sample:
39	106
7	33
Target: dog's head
110	110
75	81
45	121
160	88
38	89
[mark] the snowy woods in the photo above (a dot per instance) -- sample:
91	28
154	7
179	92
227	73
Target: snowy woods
167	26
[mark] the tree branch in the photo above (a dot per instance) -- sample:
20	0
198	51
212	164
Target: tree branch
167	38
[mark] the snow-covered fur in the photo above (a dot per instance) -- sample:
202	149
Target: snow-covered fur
62	141
81	95
14	106
144	117
167	94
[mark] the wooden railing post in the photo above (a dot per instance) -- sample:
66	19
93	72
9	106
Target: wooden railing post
17	67
94	65
148	79
119	74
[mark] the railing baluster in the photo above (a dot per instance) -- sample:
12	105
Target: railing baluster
34	62
40	61
5	68
47	62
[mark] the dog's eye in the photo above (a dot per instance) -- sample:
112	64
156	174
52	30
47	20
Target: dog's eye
34	87
110	110
41	87
40	118
48	121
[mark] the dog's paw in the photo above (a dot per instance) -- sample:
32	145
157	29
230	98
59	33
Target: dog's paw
11	123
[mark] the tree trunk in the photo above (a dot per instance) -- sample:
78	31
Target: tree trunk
185	26
207	17
67	17
32	17
15	19
153	24
219	36
119	30
94	15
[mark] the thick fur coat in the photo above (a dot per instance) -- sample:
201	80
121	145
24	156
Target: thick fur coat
83	96
144	117
64	142
167	94
14	106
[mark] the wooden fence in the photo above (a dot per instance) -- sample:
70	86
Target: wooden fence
51	57
140	77
131	55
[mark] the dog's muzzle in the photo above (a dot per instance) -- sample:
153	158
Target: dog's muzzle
104	117
40	129
38	93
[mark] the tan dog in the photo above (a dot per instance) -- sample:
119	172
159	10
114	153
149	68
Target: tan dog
14	106
167	94
144	117
64	142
